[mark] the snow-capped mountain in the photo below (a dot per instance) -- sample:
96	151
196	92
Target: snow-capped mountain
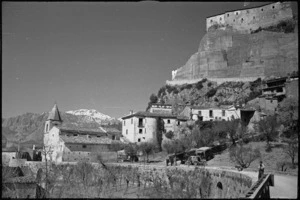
94	114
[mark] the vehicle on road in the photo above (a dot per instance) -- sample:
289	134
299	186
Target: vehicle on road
195	160
205	153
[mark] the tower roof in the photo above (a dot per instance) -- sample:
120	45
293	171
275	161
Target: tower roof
54	114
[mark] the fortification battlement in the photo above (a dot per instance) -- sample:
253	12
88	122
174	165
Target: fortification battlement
251	19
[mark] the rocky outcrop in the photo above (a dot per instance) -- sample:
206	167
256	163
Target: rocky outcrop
229	55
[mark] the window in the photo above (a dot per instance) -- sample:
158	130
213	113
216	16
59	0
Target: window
262	9
216	118
223	113
144	138
211	20
139	140
199	112
131	120
145	130
169	121
126	131
75	134
271	101
211	114
253	17
273	7
247	11
220	18
140	131
234	20
178	123
47	127
236	13
124	122
242	20
140	122
227	15
113	137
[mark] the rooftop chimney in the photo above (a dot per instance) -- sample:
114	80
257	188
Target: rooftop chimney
131	112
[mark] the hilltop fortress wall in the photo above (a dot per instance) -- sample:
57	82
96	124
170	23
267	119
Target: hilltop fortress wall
231	51
251	19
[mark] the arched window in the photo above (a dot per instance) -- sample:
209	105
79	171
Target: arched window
219	189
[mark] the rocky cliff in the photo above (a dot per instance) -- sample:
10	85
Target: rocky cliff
229	55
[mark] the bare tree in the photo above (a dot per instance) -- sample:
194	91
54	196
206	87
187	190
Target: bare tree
147	148
292	150
268	128
243	156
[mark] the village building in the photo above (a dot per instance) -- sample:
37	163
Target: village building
64	144
141	126
161	108
19	182
202	113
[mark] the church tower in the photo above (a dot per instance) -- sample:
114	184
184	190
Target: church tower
54	119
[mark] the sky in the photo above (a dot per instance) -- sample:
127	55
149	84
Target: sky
108	56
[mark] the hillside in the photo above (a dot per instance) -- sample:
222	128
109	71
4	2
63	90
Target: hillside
229	55
29	127
209	93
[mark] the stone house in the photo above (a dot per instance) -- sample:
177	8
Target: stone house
19	182
141	126
203	113
73	145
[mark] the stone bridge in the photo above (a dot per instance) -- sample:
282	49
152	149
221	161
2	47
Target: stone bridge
227	183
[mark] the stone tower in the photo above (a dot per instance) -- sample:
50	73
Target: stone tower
54	119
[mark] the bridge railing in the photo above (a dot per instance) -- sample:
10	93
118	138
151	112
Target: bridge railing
261	188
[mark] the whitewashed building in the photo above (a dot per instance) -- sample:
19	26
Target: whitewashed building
224	113
141	126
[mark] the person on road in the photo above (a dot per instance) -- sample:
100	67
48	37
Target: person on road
261	169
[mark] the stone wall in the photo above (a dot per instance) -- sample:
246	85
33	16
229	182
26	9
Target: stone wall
80	156
251	19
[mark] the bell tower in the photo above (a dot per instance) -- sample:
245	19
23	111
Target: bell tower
54	119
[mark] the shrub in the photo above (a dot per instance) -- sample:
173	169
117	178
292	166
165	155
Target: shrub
188	86
211	93
209	84
199	85
161	91
169	134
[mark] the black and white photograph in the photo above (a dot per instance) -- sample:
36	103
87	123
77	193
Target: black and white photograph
150	99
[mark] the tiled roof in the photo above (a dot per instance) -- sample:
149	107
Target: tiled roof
54	114
21	179
82	131
85	140
149	114
111	130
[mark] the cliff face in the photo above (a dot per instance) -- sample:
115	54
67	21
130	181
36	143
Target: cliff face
224	54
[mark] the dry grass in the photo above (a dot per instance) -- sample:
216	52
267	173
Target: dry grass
269	159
